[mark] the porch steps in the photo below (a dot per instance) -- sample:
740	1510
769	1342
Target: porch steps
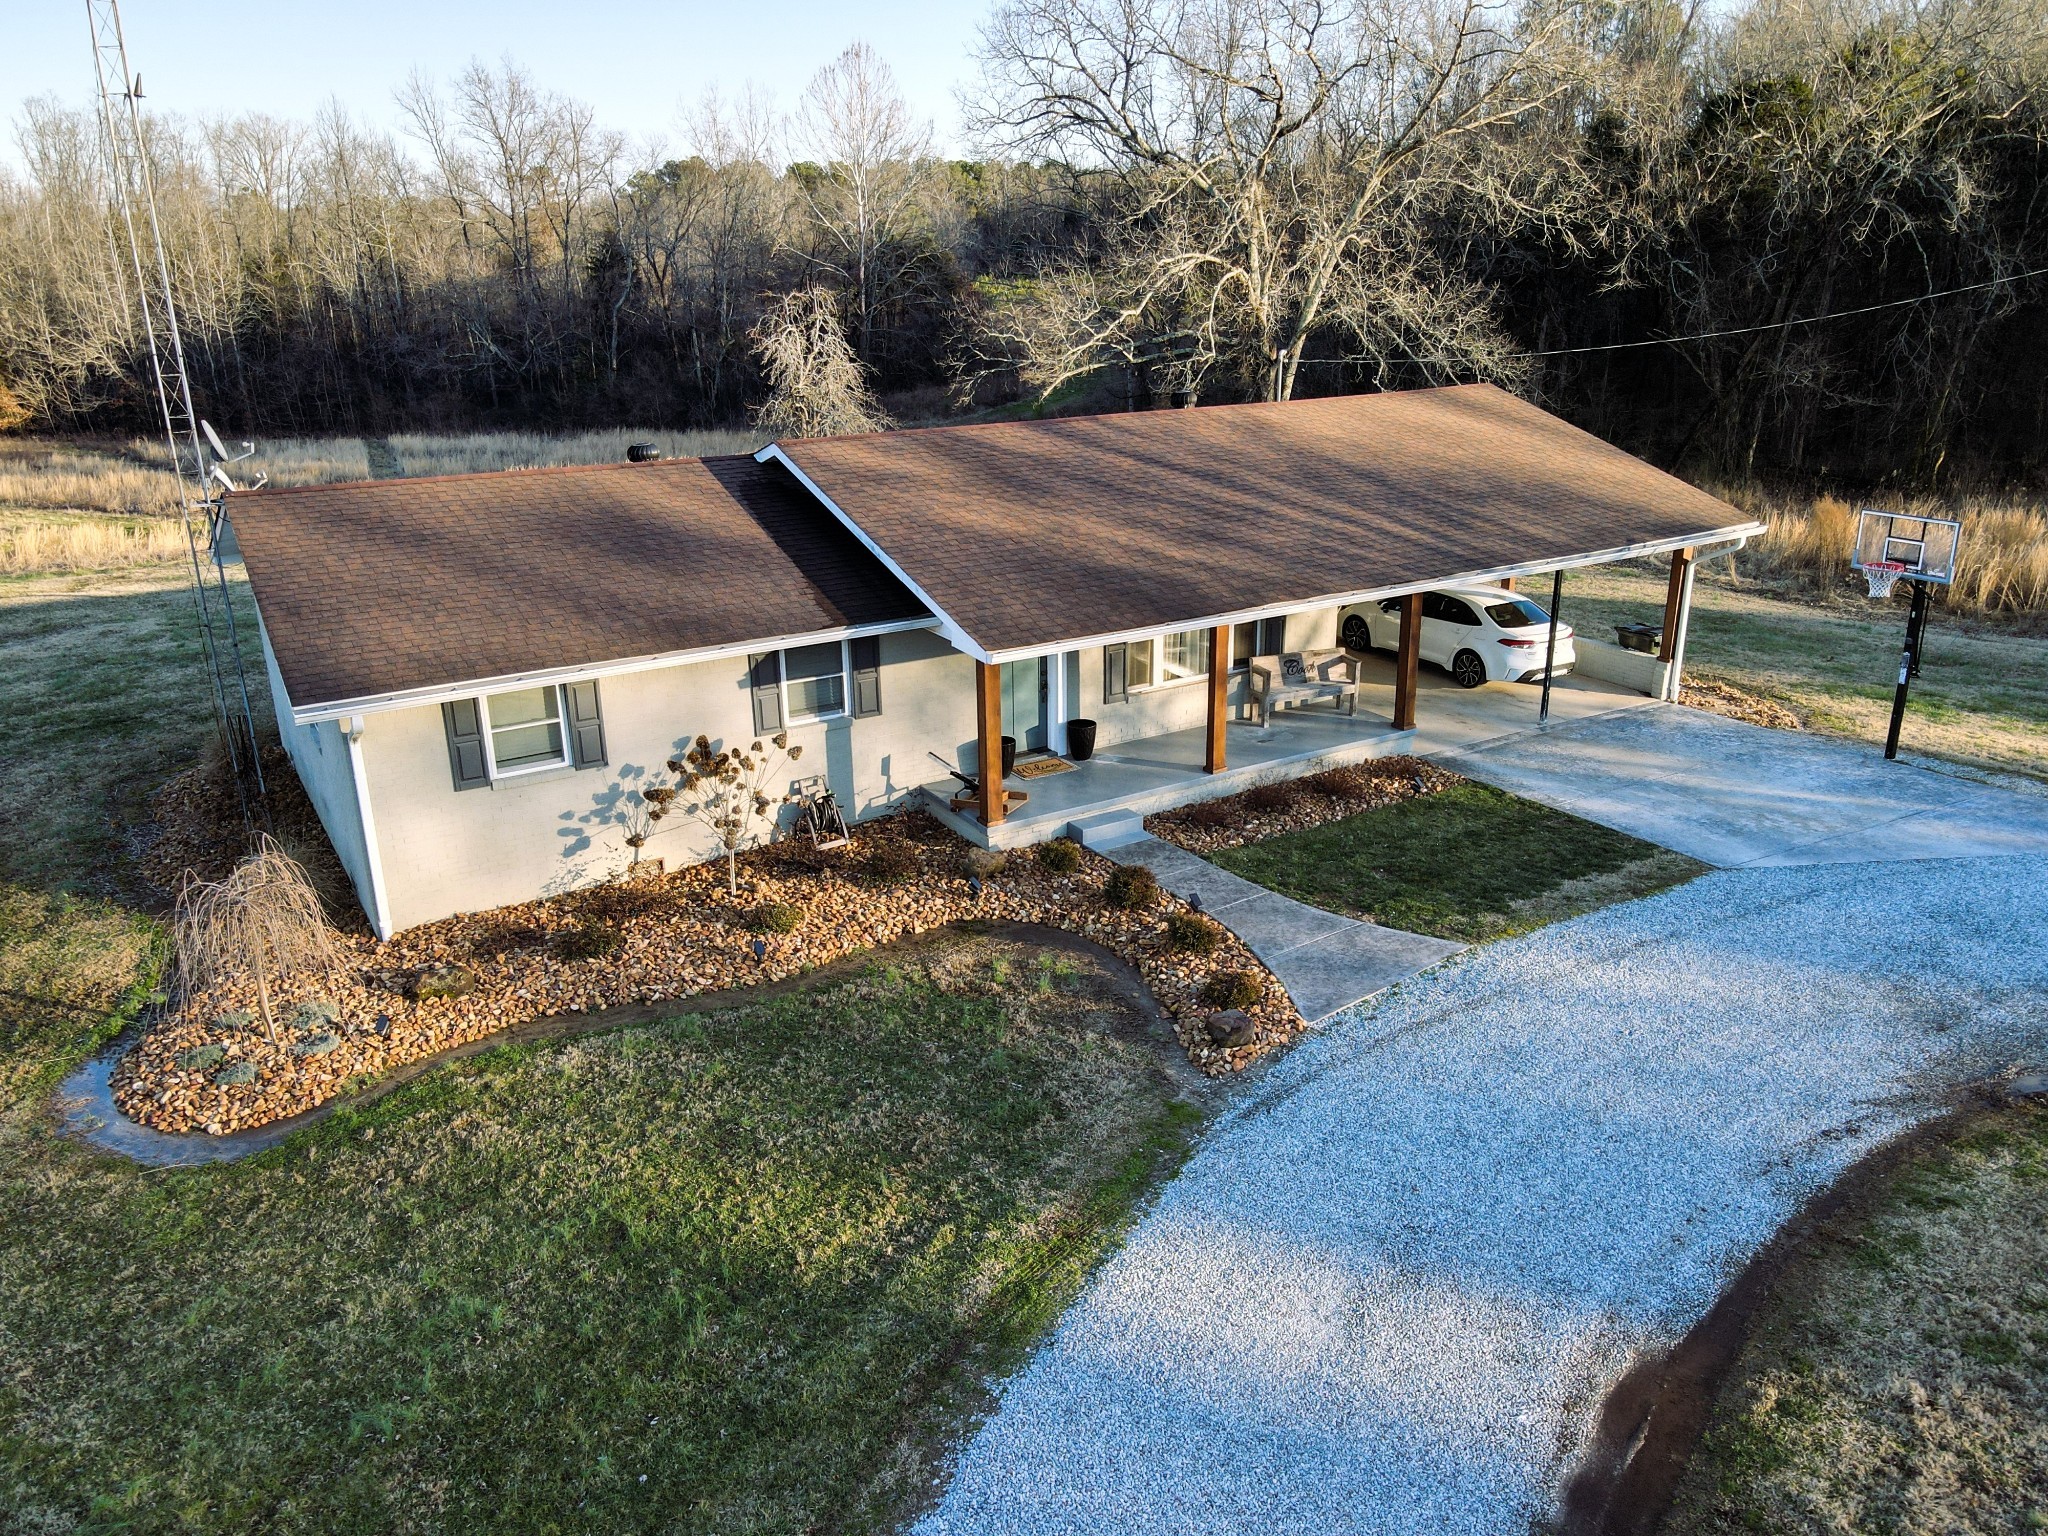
1107	829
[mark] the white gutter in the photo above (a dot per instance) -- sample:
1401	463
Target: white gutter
947	626
1739	534
380	909
410	698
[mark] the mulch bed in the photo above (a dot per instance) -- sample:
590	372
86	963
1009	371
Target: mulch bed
1294	805
650	938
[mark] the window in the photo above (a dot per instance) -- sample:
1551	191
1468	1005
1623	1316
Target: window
525	730
1519	613
1260	637
1139	665
814	681
1183	654
1448	609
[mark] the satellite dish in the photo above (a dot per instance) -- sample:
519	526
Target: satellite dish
213	440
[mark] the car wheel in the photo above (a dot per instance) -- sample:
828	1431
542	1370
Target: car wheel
1356	633
1467	670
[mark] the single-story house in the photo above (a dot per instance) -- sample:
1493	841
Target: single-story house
474	674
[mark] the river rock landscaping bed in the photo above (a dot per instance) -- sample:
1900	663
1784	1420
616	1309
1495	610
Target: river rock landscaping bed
1294	805
659	936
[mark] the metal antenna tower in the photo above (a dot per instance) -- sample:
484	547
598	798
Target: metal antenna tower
200	482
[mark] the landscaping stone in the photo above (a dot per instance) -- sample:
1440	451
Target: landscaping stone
2029	1085
984	862
1230	1028
201	1057
1269	810
326	1043
682	935
444	981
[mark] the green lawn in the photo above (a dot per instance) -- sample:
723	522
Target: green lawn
743	1270
1465	863
1981	697
1897	1379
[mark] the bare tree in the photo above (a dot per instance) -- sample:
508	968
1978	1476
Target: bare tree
731	791
816	386
1271	160
867	165
264	920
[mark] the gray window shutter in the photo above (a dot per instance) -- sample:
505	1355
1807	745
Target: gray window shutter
586	725
867	676
764	672
465	726
1116	673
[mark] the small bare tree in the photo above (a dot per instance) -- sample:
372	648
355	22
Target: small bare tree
728	790
264	918
817	387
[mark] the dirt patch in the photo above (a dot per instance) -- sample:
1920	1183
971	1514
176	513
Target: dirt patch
1295	805
1651	1423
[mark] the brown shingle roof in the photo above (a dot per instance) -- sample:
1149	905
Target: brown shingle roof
388	586
1032	534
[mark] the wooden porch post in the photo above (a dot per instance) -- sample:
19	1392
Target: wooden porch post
1667	644
1507	583
988	740
1406	657
1219	688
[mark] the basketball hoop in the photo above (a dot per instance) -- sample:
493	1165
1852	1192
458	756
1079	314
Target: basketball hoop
1883	575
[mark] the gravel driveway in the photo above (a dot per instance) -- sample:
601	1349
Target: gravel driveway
1390	1289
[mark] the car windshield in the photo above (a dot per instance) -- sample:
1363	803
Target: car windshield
1518	613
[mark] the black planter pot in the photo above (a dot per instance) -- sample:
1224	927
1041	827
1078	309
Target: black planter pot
1009	755
1080	740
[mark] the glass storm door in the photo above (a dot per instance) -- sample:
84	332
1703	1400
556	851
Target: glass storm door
1024	703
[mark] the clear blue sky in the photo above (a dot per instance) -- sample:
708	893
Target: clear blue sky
634	60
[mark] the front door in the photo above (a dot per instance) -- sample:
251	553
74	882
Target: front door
1024	703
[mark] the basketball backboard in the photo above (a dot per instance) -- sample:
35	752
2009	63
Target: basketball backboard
1924	546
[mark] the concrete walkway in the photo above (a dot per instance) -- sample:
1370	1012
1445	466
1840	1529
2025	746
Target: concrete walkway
1391	1288
1740	795
1326	962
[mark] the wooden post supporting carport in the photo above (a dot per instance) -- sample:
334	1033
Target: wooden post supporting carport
1406	657
988	741
1667	644
1219	690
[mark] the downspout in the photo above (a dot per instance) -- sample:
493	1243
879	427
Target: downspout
380	910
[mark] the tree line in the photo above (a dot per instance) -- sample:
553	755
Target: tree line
1174	200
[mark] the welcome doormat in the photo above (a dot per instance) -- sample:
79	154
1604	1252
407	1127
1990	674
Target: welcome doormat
1039	767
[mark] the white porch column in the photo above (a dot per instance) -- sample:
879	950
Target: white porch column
1671	678
1056	703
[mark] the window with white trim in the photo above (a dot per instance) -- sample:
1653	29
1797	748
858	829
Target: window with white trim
525	730
1173	658
814	682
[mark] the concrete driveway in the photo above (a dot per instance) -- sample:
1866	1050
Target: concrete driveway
1740	795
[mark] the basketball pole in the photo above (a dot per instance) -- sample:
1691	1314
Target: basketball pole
1909	663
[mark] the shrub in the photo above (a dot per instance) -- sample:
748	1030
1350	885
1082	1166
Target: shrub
1191	931
592	941
1210	813
1339	784
890	860
777	917
1273	797
620	901
1061	856
1233	989
1131	888
496	938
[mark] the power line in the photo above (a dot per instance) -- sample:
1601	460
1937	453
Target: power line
1743	330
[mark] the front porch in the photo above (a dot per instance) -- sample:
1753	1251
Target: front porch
1112	792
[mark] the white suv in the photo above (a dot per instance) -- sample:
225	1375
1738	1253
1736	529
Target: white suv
1477	634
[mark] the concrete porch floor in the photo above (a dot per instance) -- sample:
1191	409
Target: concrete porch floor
1158	773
